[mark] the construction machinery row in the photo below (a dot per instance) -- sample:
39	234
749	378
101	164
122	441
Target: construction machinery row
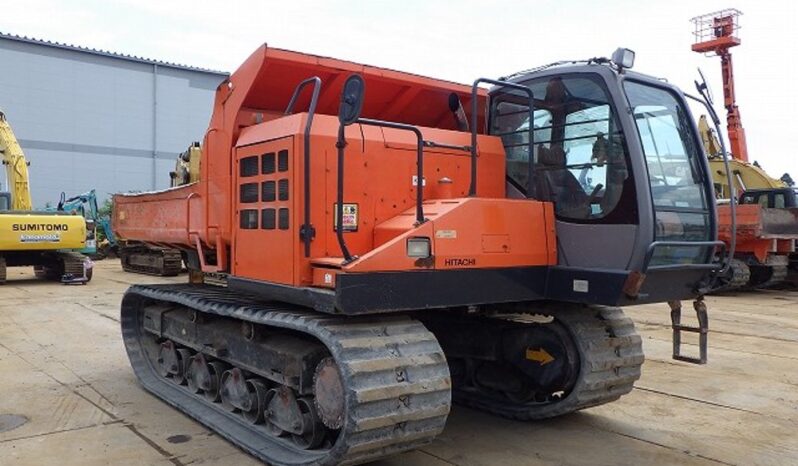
135	257
766	231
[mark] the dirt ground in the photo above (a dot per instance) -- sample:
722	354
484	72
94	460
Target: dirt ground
63	368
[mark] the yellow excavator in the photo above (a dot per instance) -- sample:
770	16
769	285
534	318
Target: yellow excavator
48	241
746	176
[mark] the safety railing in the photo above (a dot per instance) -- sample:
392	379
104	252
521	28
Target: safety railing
472	190
339	211
306	231
681	244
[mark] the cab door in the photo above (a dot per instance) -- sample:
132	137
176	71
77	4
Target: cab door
581	164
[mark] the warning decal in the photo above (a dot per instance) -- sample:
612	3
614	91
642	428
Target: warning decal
349	218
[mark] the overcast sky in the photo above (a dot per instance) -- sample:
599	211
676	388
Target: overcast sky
455	40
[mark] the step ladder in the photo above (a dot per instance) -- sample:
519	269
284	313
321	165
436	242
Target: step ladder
702	330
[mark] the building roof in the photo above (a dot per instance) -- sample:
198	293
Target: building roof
105	53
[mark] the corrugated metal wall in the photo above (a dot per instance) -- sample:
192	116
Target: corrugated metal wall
88	120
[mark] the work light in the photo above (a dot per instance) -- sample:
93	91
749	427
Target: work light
419	247
623	58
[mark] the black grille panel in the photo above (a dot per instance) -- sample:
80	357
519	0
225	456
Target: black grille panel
267	165
267	191
282	160
249	219
282	219
248	193
282	189
268	219
248	166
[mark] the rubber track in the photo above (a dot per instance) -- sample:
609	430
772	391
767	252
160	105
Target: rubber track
741	275
611	354
399	388
3	270
172	262
777	277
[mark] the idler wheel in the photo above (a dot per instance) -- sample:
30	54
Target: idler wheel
328	390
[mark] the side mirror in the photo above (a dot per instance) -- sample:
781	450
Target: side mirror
704	89
351	100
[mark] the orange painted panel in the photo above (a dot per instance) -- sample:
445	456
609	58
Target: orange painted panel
473	233
265	227
162	217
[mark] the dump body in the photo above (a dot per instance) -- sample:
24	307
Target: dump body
760	230
260	91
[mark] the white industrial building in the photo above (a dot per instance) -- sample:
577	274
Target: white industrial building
94	119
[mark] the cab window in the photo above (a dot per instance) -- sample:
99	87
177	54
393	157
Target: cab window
579	160
779	201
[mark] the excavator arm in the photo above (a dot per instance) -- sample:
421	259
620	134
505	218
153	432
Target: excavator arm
16	167
708	138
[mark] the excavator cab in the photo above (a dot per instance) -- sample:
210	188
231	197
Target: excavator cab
619	156
775	198
5	201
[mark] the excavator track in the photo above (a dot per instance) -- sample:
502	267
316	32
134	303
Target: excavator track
608	354
777	277
73	264
162	262
61	264
772	273
393	377
3	270
740	274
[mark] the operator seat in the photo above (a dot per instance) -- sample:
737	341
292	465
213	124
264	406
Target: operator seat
560	185
554	181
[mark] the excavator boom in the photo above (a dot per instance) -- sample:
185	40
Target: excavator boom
16	167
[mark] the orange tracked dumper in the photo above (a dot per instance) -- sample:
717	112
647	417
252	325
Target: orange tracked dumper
383	250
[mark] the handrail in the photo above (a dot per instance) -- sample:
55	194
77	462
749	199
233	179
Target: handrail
306	231
298	89
341	144
732	191
689	244
419	159
472	190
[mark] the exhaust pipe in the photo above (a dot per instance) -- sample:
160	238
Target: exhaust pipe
457	111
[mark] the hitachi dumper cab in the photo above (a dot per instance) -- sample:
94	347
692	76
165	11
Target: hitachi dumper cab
388	243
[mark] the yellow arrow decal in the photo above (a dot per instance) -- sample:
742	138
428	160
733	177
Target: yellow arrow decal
542	356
